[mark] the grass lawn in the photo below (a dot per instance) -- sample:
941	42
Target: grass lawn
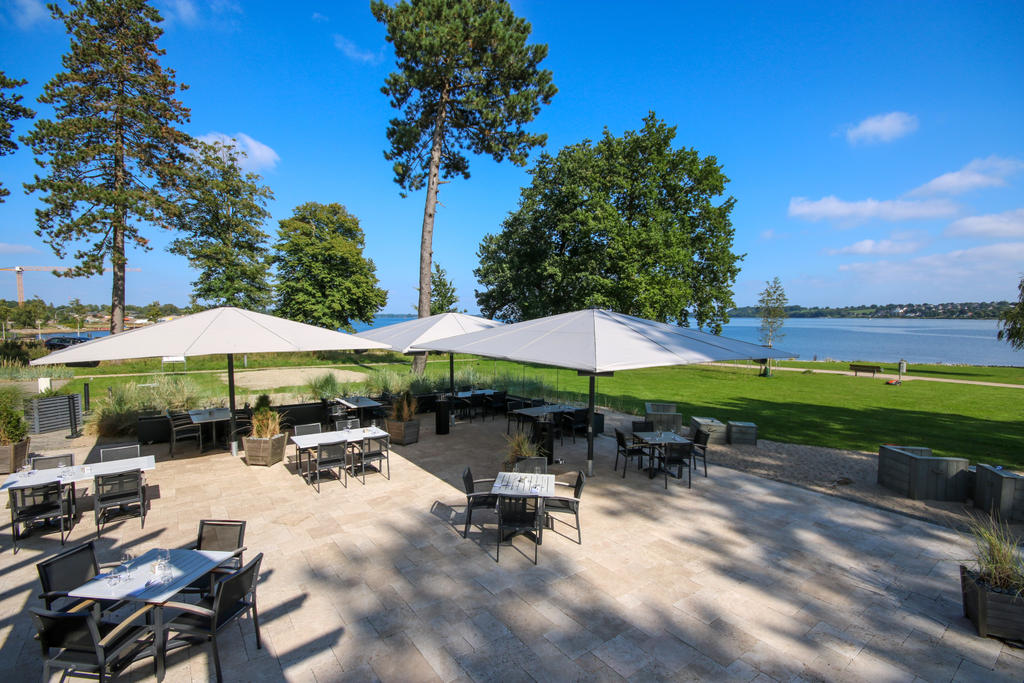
981	423
1002	375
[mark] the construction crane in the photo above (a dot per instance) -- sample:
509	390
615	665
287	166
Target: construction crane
19	270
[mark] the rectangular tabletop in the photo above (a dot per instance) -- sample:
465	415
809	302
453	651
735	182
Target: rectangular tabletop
524	484
358	402
76	473
475	392
660	438
185	567
210	415
541	411
306	441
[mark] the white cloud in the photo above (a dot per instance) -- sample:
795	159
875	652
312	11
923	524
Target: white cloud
258	156
832	207
980	273
353	51
26	13
1008	224
320	18
184	11
980	173
878	247
7	248
882	128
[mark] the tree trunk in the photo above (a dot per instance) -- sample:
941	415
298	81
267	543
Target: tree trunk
419	363
117	245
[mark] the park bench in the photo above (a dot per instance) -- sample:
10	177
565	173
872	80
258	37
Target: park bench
856	367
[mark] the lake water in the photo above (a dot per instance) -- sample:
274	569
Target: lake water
881	340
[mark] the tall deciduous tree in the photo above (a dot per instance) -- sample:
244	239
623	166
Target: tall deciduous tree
628	223
222	213
114	153
323	277
1011	321
772	303
466	80
11	110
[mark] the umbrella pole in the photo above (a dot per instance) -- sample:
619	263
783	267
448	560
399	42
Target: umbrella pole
231	404
451	372
590	430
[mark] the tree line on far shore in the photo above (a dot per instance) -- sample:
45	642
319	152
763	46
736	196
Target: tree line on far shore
983	310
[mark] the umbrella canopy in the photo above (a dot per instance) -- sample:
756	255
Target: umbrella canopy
225	330
596	341
406	337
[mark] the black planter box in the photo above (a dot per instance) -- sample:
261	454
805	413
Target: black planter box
153	429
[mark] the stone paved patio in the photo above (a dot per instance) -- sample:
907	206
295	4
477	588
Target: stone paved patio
739	578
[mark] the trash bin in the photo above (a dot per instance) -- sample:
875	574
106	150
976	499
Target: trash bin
544	437
442	416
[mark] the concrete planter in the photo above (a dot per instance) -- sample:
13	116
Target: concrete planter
13	456
993	612
404	433
264	452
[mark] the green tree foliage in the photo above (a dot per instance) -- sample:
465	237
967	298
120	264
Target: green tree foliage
466	81
772	304
221	215
627	223
323	277
443	298
11	110
114	153
1011	322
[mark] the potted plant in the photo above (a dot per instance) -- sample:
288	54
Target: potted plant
519	446
14	439
402	423
265	445
993	590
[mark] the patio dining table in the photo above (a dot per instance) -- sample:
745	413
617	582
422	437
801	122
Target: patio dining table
76	473
656	439
540	412
210	416
139	581
526	485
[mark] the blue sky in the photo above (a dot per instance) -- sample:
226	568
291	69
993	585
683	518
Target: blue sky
875	150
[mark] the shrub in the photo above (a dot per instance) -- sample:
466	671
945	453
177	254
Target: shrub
118	413
519	447
266	423
997	554
262	403
11	368
12	425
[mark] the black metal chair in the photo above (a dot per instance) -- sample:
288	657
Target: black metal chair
301	430
233	597
568	504
86	645
243	423
642	426
120	452
496	403
573	422
540	465
184	429
373	452
119	491
511	416
326	458
483	499
218	534
627	451
677	455
43	503
67	571
700	449
343	423
519	515
51	462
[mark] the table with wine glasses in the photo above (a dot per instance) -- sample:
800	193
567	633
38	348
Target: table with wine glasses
154	578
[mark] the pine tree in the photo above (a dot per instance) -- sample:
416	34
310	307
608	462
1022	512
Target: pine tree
114	152
466	80
11	110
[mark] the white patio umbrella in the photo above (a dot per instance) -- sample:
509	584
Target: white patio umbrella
597	342
406	337
224	330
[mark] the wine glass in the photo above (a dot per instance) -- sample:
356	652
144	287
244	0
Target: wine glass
126	561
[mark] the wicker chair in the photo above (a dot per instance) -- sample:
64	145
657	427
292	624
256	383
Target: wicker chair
483	499
511	416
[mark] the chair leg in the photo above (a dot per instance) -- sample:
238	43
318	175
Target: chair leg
469	518
216	658
256	623
497	551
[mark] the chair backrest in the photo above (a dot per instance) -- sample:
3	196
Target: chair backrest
120	452
519	511
676	453
68	570
346	423
580	416
466	387
35	496
232	593
536	402
49	462
701	437
620	439
115	486
331	452
577	489
467	480
220	534
515	404
643	426
313	428
72	631
498	397
531	464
